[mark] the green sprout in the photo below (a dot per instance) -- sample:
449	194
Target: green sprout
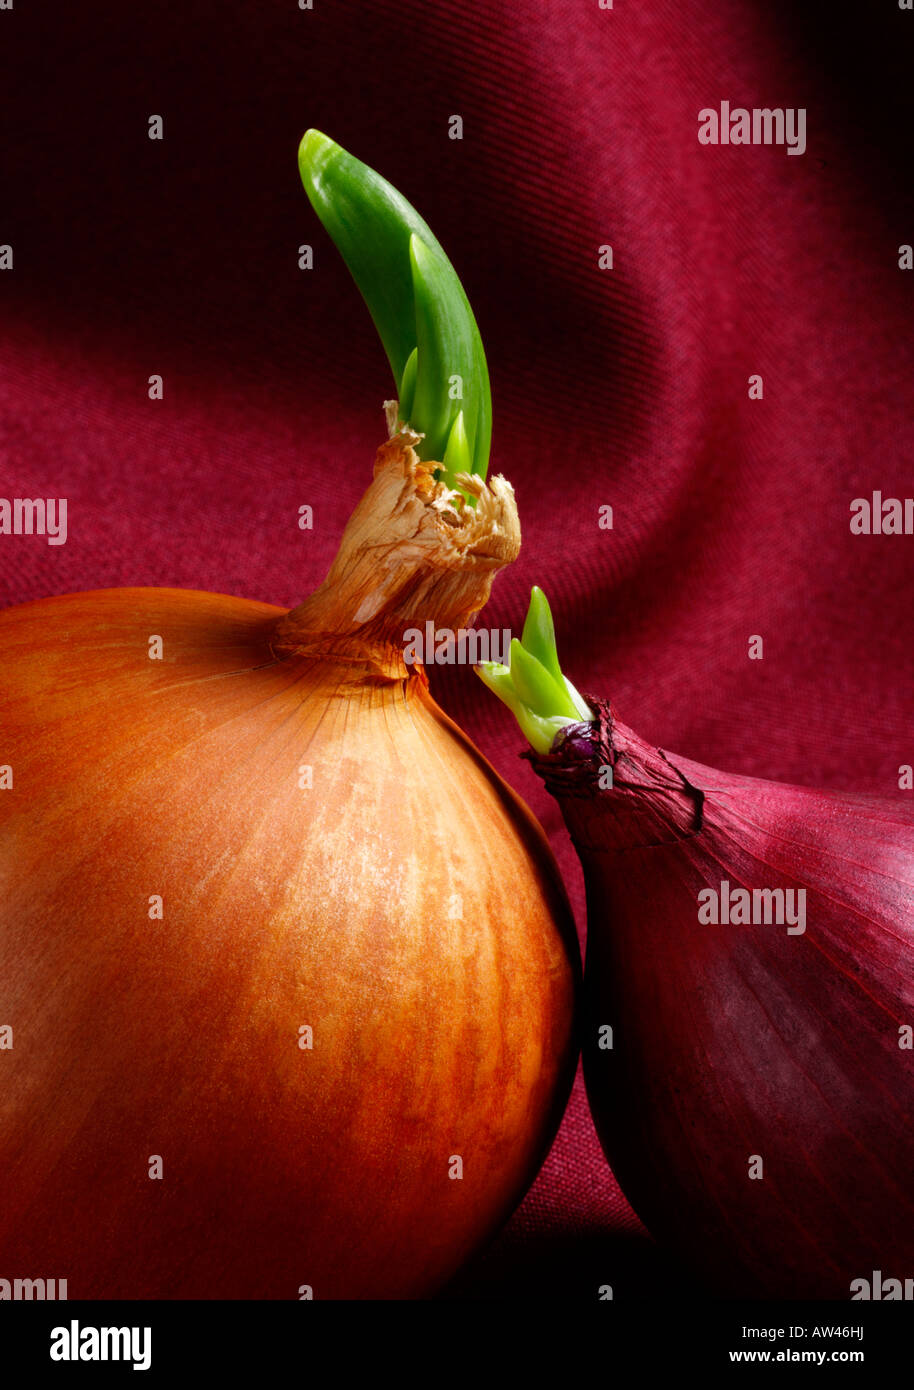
416	301
542	700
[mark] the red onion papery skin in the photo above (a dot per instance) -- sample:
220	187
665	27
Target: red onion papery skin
731	1040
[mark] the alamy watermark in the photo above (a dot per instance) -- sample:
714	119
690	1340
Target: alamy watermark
880	1290
754	907
34	516
33	1290
81	1342
464	646
882	516
760	125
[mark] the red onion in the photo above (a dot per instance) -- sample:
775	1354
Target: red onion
751	1082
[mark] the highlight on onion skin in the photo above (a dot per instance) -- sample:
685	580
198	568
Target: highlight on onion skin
289	973
755	1095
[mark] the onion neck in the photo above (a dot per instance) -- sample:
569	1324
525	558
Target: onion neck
413	551
615	790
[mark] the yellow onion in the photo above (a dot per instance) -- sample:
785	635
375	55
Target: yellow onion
286	970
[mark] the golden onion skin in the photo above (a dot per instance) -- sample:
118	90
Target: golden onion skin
405	907
289	969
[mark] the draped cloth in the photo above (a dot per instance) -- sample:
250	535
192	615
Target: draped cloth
712	340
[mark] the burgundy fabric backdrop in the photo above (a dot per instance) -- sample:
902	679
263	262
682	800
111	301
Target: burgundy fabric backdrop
627	387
